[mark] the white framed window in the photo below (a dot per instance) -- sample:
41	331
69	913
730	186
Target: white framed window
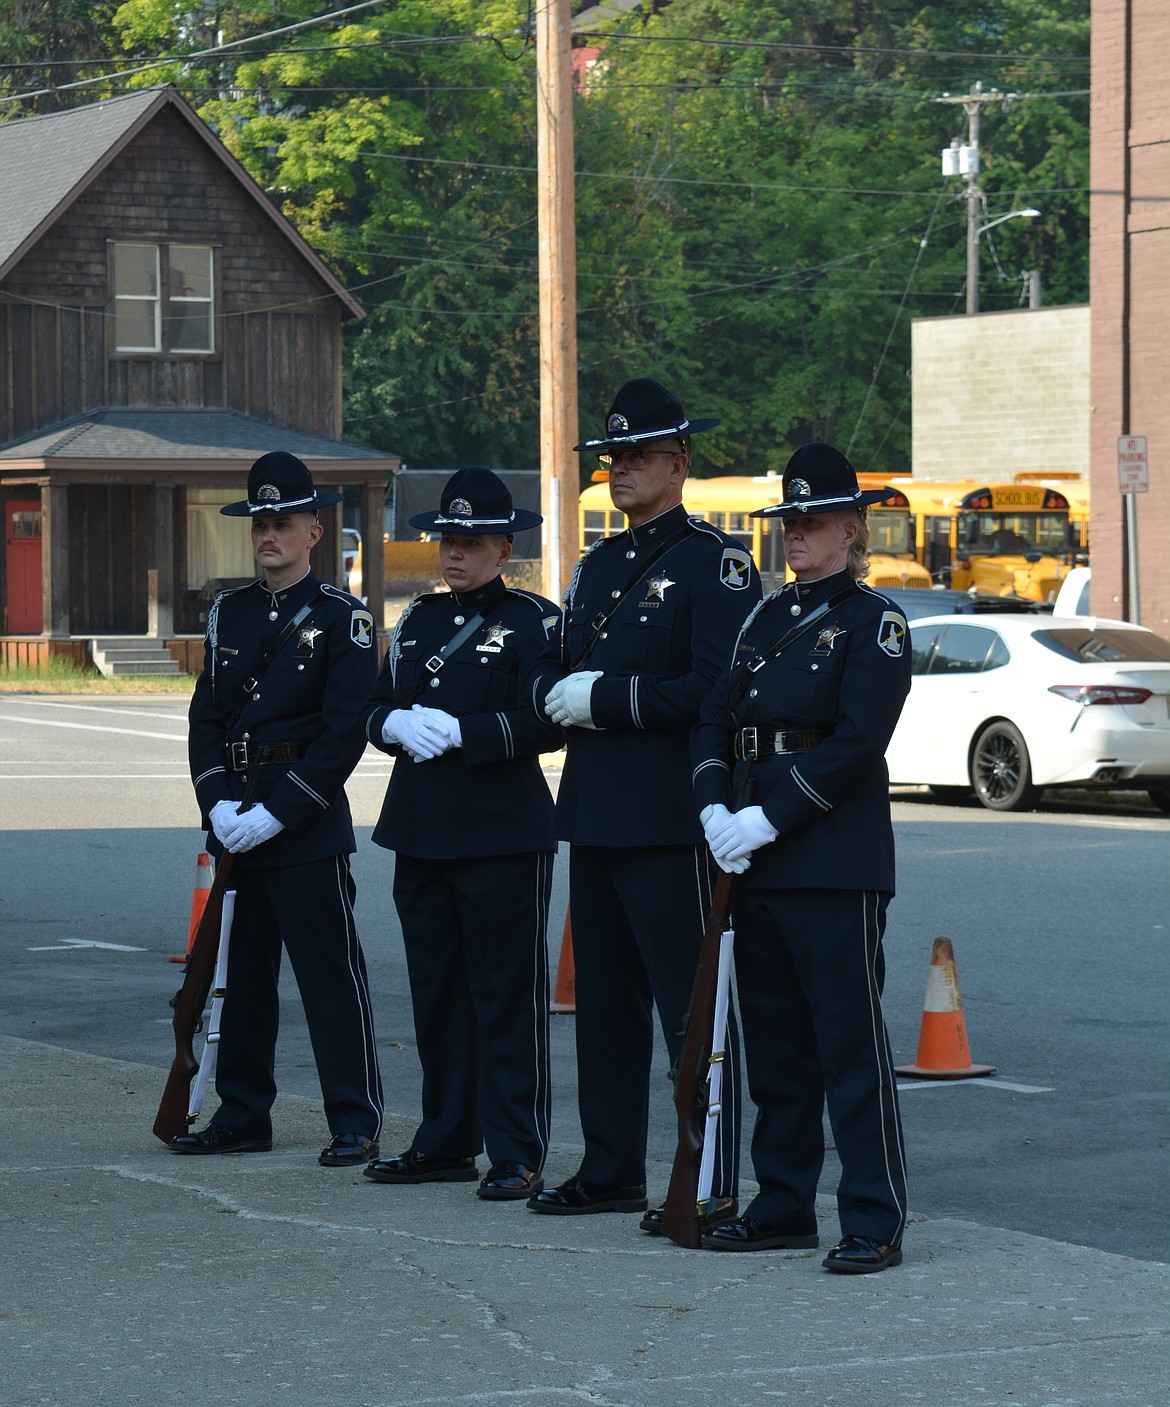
137	298
164	297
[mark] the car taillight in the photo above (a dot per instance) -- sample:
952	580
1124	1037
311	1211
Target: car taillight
1100	693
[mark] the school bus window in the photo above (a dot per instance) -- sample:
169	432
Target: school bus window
891	530
593	524
739	525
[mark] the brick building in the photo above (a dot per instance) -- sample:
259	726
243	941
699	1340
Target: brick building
1130	297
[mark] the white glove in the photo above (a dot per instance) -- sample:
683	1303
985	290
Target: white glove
253	828
415	730
223	816
567	702
746	831
447	724
718	828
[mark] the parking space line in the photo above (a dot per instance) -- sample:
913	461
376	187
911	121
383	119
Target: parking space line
904	1086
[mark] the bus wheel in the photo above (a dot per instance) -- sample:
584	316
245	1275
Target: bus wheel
1160	796
1001	771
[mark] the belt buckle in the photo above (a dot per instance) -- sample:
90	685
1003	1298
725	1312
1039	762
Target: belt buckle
434	664
749	743
239	755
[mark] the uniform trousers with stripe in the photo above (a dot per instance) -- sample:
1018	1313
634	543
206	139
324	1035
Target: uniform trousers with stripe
307	908
637	918
809	970
475	933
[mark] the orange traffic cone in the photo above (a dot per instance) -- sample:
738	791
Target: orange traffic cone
198	902
943	1052
565	991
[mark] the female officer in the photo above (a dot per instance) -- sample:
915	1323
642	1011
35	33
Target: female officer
803	717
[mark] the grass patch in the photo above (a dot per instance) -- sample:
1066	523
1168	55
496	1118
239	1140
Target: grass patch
64	677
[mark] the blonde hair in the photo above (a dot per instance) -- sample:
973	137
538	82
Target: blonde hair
857	563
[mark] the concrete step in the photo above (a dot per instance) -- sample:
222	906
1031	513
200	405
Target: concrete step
127	655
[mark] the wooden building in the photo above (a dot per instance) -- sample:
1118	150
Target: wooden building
161	326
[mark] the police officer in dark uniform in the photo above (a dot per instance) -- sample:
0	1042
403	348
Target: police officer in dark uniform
821	671
288	666
472	828
651	619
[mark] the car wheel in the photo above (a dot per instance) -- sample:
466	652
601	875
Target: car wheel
1001	771
950	796
1160	796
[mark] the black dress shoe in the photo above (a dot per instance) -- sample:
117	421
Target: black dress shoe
509	1182
748	1234
861	1255
215	1138
576	1198
348	1150
719	1210
413	1166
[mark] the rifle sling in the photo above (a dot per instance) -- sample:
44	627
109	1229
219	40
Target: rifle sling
604	618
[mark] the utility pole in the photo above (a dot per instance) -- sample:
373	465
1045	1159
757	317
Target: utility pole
959	160
556	237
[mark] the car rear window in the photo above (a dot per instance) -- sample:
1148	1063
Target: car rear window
1105	645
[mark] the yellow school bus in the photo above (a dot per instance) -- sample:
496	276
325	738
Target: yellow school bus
998	539
726	502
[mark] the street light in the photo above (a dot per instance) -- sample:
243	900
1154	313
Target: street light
1028	214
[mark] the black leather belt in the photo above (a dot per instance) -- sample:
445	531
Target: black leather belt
754	744
241	756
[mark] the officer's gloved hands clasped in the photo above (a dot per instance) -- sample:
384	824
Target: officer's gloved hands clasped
567	702
223	816
446	724
253	828
716	823
417	730
744	832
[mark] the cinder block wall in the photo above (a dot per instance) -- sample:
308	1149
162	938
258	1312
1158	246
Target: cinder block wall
1001	393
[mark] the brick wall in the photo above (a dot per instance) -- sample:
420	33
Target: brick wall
1130	253
1001	393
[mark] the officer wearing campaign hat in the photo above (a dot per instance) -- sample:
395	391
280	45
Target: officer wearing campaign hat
804	715
276	719
469	816
650	620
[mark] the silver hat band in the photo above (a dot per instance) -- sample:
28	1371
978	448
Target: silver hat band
283	507
476	522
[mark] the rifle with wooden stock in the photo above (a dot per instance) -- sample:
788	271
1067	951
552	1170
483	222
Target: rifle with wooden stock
174	1112
698	1076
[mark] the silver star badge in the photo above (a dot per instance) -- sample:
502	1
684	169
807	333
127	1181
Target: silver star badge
657	585
308	634
496	634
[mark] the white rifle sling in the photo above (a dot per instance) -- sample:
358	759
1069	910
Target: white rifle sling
715	1070
218	992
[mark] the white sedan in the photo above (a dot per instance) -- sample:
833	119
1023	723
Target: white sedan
1010	704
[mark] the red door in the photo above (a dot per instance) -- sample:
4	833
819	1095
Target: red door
23	528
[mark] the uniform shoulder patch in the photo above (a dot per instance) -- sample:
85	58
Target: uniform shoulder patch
361	629
735	568
892	634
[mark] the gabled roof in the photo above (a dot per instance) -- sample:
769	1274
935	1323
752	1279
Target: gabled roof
47	162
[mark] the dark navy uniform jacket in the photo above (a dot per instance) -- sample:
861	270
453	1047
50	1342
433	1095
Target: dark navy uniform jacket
627	782
848	676
312	694
488	797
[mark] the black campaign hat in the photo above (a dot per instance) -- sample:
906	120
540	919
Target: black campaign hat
476	501
280	483
643	411
819	479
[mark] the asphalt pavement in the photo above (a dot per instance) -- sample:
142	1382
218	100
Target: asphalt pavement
129	1275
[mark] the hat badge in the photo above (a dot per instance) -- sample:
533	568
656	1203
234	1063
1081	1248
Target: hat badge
799	488
459	507
616	422
267	493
